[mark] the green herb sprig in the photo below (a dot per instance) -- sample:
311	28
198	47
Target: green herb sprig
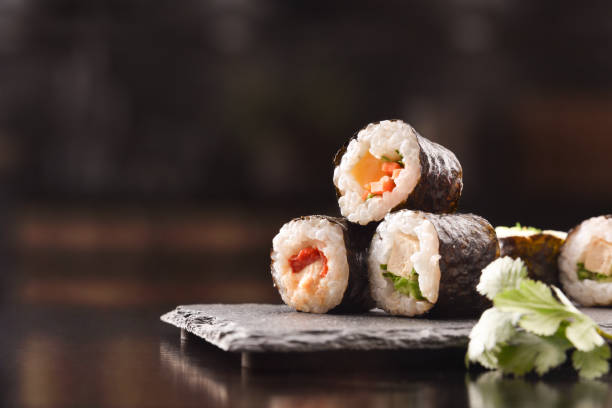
532	326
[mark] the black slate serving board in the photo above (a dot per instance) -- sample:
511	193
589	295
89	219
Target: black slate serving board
266	328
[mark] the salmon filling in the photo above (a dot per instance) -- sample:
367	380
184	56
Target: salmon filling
309	257
375	175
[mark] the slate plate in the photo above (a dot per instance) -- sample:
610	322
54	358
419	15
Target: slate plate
277	328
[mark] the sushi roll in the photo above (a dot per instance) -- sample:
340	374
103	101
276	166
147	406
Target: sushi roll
538	249
319	266
421	262
388	166
585	262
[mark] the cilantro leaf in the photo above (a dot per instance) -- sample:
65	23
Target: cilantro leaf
501	274
527	351
561	296
542	313
583	334
385	158
592	364
489	358
493	327
532	325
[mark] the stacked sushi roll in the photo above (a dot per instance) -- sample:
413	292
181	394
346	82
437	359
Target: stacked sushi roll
389	166
400	247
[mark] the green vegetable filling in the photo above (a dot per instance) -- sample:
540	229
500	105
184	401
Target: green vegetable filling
519	227
401	159
398	161
584	273
406	286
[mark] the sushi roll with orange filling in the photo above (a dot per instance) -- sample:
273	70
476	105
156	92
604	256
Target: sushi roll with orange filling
318	266
388	166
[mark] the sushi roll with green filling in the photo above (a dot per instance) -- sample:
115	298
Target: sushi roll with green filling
538	249
585	262
319	265
388	166
421	262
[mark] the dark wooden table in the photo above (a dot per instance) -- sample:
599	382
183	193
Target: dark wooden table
69	357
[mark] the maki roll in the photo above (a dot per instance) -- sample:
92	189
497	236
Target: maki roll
389	166
420	261
319	266
585	262
538	249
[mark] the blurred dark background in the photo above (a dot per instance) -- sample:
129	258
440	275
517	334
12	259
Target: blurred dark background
150	150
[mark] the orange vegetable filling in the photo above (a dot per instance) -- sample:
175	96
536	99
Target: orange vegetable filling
375	175
306	257
389	167
367	169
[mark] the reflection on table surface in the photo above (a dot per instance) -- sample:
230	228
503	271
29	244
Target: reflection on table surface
67	357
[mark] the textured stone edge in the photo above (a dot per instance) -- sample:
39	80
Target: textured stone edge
221	333
229	336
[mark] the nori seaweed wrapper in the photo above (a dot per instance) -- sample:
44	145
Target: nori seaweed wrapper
467	244
539	251
361	235
356	297
441	181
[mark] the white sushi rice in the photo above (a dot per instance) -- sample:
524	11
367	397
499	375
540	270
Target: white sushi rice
381	139
425	262
307	291
505	232
587	292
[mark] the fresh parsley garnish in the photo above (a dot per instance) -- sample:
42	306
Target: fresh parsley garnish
583	273
406	286
531	326
385	158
